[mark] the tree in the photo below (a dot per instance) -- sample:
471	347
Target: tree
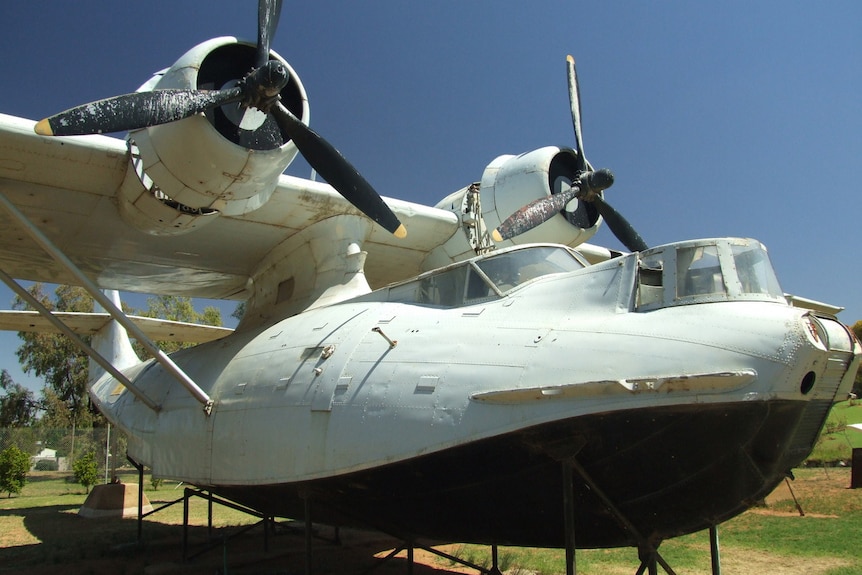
239	311
14	465
86	470
55	358
18	407
176	308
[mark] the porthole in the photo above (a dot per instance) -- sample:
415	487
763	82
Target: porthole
807	383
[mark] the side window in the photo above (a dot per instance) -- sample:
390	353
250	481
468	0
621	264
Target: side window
650	281
445	289
477	287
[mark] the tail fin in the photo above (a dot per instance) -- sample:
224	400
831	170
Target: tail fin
113	343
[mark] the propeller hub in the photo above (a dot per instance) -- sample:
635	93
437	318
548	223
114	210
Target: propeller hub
263	85
592	183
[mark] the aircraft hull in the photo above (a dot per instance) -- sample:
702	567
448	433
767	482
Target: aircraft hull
653	465
672	419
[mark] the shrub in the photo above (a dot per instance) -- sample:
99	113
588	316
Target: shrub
86	470
155	482
14	465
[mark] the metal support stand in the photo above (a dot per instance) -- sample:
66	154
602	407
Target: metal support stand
210	517
140	469
409	560
267	521
495	567
714	550
648	561
569	517
647	550
409	547
308	534
793	495
185	524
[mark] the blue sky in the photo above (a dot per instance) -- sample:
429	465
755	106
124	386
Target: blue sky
718	119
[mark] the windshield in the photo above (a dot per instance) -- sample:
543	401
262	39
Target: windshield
698	271
465	284
755	271
514	268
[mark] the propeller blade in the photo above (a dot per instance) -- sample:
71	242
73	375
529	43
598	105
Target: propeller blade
268	12
575	103
620	227
134	111
337	171
536	212
539	211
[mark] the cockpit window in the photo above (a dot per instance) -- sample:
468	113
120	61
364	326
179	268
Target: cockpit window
755	272
512	269
703	271
698	272
446	289
484	279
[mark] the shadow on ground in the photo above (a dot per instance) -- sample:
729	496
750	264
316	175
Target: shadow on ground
74	545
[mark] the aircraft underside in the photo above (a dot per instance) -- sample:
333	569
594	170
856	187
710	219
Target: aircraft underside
639	475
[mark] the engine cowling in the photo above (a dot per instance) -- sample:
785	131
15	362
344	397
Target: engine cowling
511	182
185	173
508	184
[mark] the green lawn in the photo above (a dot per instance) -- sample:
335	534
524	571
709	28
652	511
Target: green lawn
773	540
837	441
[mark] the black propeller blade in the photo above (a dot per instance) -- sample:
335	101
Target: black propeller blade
260	89
620	226
588	187
268	12
134	111
336	170
575	104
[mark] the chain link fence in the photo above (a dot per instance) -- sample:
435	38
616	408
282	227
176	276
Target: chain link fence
55	449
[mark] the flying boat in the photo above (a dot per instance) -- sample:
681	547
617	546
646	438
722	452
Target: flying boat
473	371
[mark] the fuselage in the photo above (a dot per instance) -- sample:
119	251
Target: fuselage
444	405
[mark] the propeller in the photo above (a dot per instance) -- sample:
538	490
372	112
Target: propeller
260	89
587	187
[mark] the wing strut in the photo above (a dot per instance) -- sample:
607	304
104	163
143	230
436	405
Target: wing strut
109	306
92	353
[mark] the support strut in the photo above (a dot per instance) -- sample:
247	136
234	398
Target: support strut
92	353
160	356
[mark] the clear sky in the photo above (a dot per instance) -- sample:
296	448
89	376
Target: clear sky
735	118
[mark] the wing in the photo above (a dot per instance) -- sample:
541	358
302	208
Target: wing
68	188
88	324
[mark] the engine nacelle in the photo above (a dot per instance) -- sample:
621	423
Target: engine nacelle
186	172
508	184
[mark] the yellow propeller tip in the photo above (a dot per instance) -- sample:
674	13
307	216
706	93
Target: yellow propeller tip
43	128
401	232
570	58
495	235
